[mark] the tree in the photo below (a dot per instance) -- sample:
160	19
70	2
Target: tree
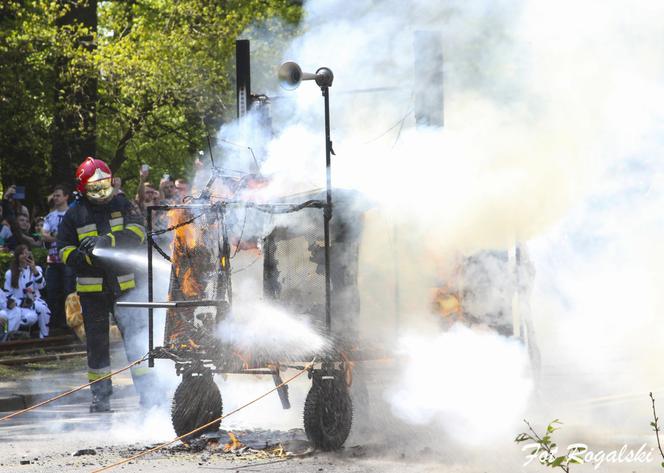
167	76
145	84
27	41
74	123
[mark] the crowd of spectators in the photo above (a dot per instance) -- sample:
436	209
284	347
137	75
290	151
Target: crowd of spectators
32	300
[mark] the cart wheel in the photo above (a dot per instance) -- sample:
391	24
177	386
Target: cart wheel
196	402
328	416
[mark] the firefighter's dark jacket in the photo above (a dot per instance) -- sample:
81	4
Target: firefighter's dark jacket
119	229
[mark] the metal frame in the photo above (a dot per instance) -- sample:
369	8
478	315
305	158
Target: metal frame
323	78
192	356
330	366
328	208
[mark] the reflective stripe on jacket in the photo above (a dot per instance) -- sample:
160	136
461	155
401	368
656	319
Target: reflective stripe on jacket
114	220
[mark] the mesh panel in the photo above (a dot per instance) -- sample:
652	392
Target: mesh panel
196	274
275	256
280	255
294	268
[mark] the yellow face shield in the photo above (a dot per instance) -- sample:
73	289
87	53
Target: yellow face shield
99	191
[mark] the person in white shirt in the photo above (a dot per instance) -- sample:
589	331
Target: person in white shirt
23	282
13	317
60	278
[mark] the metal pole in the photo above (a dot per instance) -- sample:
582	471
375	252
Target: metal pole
150	293
328	209
243	76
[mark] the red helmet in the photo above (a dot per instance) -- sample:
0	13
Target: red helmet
94	180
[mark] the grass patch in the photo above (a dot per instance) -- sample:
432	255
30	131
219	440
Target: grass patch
55	366
8	372
68	364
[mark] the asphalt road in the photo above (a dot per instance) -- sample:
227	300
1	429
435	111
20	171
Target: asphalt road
47	439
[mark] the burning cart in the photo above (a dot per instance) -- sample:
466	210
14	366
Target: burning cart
296	254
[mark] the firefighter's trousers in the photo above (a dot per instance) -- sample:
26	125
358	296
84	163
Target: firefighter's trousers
97	309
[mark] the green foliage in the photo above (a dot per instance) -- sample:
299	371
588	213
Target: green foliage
5	262
40	255
26	46
167	77
548	448
163	72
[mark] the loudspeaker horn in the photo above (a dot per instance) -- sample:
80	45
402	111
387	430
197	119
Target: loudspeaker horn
290	76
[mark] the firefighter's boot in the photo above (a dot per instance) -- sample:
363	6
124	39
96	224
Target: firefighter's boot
101	396
100	404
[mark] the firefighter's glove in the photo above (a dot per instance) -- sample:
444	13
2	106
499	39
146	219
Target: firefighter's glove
90	243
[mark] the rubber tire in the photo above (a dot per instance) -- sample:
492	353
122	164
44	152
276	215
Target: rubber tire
196	402
328	416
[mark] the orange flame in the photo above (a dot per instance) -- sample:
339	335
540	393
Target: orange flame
190	286
446	303
279	451
186	235
234	443
185	242
185	239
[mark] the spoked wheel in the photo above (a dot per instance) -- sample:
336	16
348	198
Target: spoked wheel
197	401
328	415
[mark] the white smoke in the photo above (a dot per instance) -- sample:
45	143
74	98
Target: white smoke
552	136
473	384
259	328
598	299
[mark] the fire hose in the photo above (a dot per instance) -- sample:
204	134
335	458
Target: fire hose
72	391
204	426
158	447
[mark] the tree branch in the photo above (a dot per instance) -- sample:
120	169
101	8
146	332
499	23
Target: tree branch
546	446
135	125
655	425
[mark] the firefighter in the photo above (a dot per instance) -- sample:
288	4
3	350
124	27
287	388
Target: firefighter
101	222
